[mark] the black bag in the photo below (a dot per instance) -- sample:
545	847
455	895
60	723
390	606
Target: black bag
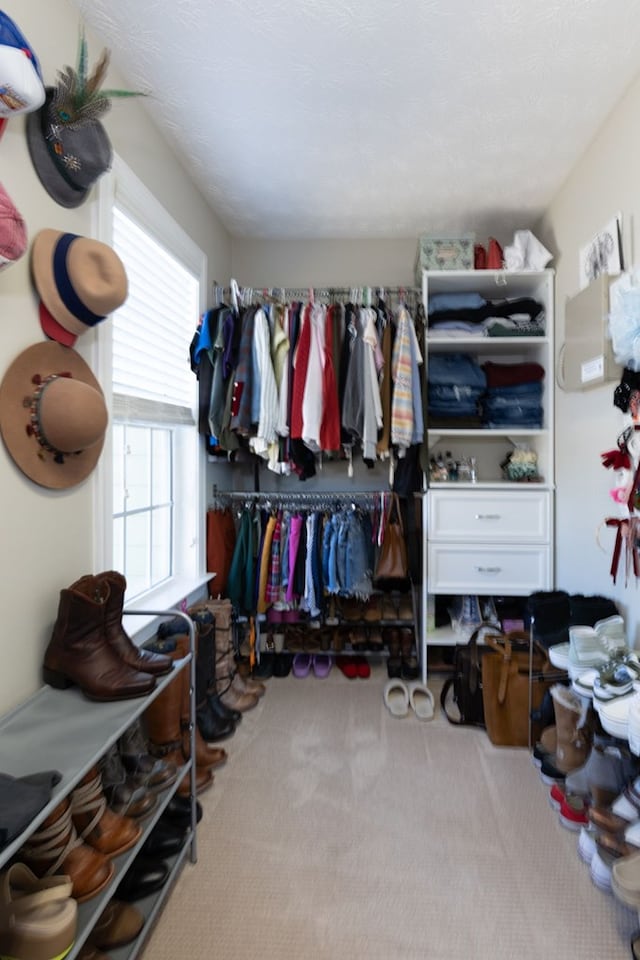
466	682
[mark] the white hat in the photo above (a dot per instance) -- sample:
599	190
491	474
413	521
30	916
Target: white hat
21	86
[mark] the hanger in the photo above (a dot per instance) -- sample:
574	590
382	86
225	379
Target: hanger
235	294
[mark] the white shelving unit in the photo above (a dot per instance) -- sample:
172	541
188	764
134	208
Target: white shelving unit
62	730
494	536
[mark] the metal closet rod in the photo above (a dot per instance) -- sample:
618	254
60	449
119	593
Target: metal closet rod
302	293
329	496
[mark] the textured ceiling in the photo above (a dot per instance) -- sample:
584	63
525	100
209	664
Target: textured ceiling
375	118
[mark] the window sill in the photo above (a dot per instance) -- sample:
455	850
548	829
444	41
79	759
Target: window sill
176	595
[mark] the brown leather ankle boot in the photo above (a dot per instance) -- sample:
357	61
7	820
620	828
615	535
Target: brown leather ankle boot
78	651
108	832
56	849
135	657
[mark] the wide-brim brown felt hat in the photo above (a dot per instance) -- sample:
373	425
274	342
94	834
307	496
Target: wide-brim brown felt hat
53	417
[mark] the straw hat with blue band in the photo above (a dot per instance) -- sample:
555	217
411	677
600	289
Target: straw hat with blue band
80	282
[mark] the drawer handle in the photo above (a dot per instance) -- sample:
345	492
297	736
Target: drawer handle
488	516
488	569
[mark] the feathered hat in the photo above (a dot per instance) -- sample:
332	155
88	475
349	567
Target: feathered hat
68	145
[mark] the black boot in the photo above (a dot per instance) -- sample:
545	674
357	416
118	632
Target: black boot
213	726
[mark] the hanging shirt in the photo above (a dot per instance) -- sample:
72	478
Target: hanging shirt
401	375
266	432
372	421
312	397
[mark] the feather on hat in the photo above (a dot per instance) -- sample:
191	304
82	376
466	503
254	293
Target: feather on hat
68	145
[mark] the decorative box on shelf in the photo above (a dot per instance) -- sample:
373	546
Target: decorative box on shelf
444	253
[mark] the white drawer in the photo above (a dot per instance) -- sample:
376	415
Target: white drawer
486	569
489	516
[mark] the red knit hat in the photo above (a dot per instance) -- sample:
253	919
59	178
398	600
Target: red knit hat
13	232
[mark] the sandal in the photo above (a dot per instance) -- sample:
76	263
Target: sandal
396	698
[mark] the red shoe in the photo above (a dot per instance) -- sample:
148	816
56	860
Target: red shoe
573	813
362	667
348	666
556	796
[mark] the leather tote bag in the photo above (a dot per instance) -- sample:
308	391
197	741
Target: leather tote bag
506	680
392	567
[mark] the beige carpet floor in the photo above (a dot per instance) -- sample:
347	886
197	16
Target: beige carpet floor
337	832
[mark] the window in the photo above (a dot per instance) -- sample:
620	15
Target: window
153	492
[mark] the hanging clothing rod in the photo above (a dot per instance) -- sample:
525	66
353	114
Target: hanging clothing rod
284	294
285	495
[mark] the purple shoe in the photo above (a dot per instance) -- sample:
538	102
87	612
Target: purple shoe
322	663
302	663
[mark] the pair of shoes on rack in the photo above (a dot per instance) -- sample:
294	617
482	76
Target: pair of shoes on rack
354	667
118	925
90	648
304	663
400	697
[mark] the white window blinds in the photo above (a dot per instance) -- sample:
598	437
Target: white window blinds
152	331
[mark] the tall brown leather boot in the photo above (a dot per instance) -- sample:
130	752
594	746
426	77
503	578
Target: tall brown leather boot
55	848
161	721
79	653
135	657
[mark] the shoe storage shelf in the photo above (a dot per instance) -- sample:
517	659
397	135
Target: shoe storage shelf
353	626
488	534
64	731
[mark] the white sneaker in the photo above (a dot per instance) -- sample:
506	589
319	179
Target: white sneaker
614	714
612	632
601	872
587	843
633	726
586	649
559	655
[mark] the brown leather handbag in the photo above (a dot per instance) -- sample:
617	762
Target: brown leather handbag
392	565
510	670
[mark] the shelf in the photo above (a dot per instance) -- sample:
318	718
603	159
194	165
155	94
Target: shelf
91	910
487	485
484	344
63	730
67	732
149	907
511	553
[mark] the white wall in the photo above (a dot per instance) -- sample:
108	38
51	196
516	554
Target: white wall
293	263
604	182
47	537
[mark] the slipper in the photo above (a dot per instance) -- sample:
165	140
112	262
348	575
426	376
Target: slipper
421	700
322	663
347	665
396	698
362	667
301	665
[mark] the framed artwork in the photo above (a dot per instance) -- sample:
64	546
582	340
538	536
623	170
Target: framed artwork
603	253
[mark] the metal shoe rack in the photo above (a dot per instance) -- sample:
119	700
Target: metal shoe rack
64	731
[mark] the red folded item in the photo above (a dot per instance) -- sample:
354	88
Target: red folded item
511	374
